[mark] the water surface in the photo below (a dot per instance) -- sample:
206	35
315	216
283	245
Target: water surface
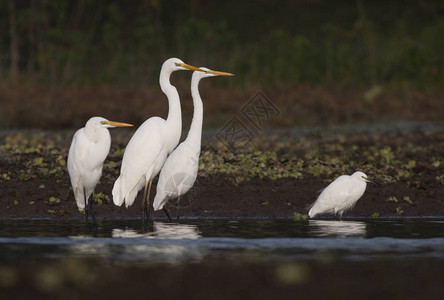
199	240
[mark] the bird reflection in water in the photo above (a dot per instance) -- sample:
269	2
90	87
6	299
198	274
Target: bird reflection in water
161	231
324	228
167	243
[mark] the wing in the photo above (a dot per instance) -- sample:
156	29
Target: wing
75	156
330	196
143	148
141	157
85	162
178	174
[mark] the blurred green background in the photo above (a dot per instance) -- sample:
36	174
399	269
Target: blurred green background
50	50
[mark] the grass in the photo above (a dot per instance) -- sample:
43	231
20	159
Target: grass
384	158
277	163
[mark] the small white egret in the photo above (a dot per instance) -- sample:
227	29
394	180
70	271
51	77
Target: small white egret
150	145
179	172
340	195
89	149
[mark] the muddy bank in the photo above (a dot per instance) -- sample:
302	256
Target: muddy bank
273	176
216	196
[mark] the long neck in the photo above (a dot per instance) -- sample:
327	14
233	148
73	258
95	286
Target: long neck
93	133
195	135
173	123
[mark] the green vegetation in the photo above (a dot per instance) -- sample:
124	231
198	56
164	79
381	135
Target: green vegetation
274	163
53	201
375	215
274	159
83	43
297	217
408	200
270	158
59	212
392	199
101	198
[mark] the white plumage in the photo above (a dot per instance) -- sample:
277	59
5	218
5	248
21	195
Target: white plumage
179	172
153	141
340	195
89	149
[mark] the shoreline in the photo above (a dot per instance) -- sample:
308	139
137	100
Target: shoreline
271	177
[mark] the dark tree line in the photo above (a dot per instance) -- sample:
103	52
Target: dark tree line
87	42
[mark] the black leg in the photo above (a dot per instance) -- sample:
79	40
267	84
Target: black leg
86	207
177	210
144	210
147	203
167	214
91	210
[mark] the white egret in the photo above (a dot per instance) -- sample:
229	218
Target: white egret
89	149
179	172
150	145
340	195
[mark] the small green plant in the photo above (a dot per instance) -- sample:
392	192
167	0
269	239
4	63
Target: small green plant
38	162
387	155
297	217
392	199
404	173
16	202
265	203
399	211
100	198
4	177
375	215
59	212
119	153
408	200
62	162
53	201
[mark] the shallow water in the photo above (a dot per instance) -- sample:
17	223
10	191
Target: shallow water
199	240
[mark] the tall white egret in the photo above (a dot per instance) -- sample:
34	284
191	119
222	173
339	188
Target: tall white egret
89	149
150	145
179	172
340	195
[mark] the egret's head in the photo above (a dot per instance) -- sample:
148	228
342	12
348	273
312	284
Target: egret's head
209	73
99	122
176	64
362	176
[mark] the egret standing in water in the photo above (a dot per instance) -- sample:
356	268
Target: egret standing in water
151	144
179	172
89	149
340	195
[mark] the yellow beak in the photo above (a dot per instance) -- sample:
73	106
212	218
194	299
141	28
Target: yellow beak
189	67
117	124
219	73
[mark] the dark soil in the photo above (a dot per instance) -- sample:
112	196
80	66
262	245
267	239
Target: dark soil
412	174
218	197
